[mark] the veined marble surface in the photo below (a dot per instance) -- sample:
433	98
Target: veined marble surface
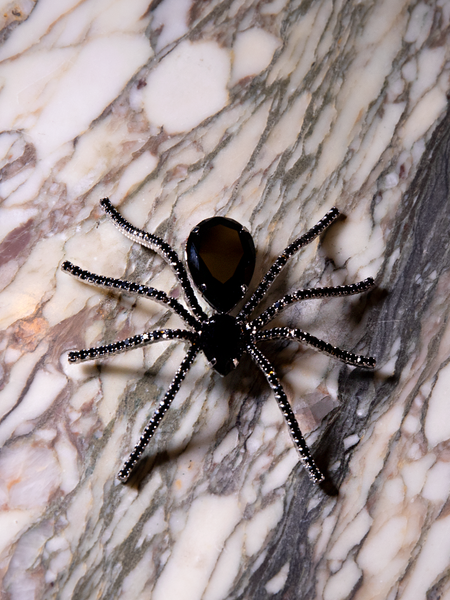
269	113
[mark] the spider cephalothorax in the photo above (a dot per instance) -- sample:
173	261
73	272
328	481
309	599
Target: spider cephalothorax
220	255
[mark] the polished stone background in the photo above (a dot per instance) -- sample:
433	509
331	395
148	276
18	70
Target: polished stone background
269	113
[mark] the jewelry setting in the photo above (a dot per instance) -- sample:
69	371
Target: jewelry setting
220	255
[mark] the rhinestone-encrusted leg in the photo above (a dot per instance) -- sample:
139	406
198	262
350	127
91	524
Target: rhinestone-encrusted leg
136	341
157	245
158	415
340	290
278	265
294	429
286	333
130	288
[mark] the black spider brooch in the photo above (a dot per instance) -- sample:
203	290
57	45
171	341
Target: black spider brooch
220	255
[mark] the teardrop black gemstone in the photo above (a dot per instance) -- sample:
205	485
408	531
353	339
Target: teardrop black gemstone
221	258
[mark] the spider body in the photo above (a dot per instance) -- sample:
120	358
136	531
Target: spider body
220	255
222	340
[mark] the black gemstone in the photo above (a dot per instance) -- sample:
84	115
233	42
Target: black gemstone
221	258
222	341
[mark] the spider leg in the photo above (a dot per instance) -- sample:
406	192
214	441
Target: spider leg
285	333
340	290
130	288
158	415
157	245
280	396
136	341
280	262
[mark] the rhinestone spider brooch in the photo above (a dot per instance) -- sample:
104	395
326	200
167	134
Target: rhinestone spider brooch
220	255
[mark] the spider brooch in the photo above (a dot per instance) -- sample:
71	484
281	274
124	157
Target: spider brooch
220	255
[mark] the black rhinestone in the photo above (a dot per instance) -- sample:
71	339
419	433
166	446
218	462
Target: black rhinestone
221	258
222	342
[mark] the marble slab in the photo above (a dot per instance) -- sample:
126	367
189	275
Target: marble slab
269	113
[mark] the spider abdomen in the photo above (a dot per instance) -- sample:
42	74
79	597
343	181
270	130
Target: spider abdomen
220	255
222	341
